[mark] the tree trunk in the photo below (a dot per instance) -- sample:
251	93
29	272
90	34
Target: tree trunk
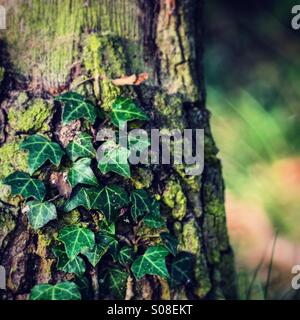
52	46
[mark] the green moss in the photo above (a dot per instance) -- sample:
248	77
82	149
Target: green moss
12	158
190	242
7	224
170	108
104	59
72	217
142	178
189	238
175	199
35	117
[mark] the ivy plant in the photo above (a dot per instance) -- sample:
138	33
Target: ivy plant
111	234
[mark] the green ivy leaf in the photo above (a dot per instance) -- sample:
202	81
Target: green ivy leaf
40	213
107	240
40	150
152	262
126	255
116	281
114	159
81	147
61	291
125	109
81	172
170	242
104	242
76	239
182	269
153	219
76	266
141	203
138	143
154	222
110	200
76	107
109	228
82	198
21	183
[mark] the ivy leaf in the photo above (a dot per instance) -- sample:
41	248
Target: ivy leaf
110	200
140	203
76	239
152	262
80	199
81	172
138	143
116	281
182	269
76	266
126	255
81	147
21	183
153	219
40	150
109	242
61	291
154	222
125	109
95	254
170	242
114	158
76	107
40	213
109	228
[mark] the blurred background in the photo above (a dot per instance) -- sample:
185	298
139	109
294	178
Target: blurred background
252	63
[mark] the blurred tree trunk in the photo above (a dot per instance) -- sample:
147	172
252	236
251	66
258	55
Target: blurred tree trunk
52	46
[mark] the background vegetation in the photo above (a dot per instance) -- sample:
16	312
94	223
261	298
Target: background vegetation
253	76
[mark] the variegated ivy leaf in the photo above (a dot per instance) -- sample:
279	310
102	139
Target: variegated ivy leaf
76	266
113	157
126	255
40	213
110	200
81	172
21	183
40	150
152	262
81	147
116	282
76	107
141	203
61	291
182	269
153	219
125	109
76	239
170	242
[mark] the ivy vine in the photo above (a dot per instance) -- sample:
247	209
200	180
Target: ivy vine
79	244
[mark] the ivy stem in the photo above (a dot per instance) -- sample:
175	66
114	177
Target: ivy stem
95	283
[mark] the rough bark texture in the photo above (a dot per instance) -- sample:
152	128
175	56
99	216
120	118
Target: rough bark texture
51	46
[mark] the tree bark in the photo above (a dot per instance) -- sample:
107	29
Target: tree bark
52	46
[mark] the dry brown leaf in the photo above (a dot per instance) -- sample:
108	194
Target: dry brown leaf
133	80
